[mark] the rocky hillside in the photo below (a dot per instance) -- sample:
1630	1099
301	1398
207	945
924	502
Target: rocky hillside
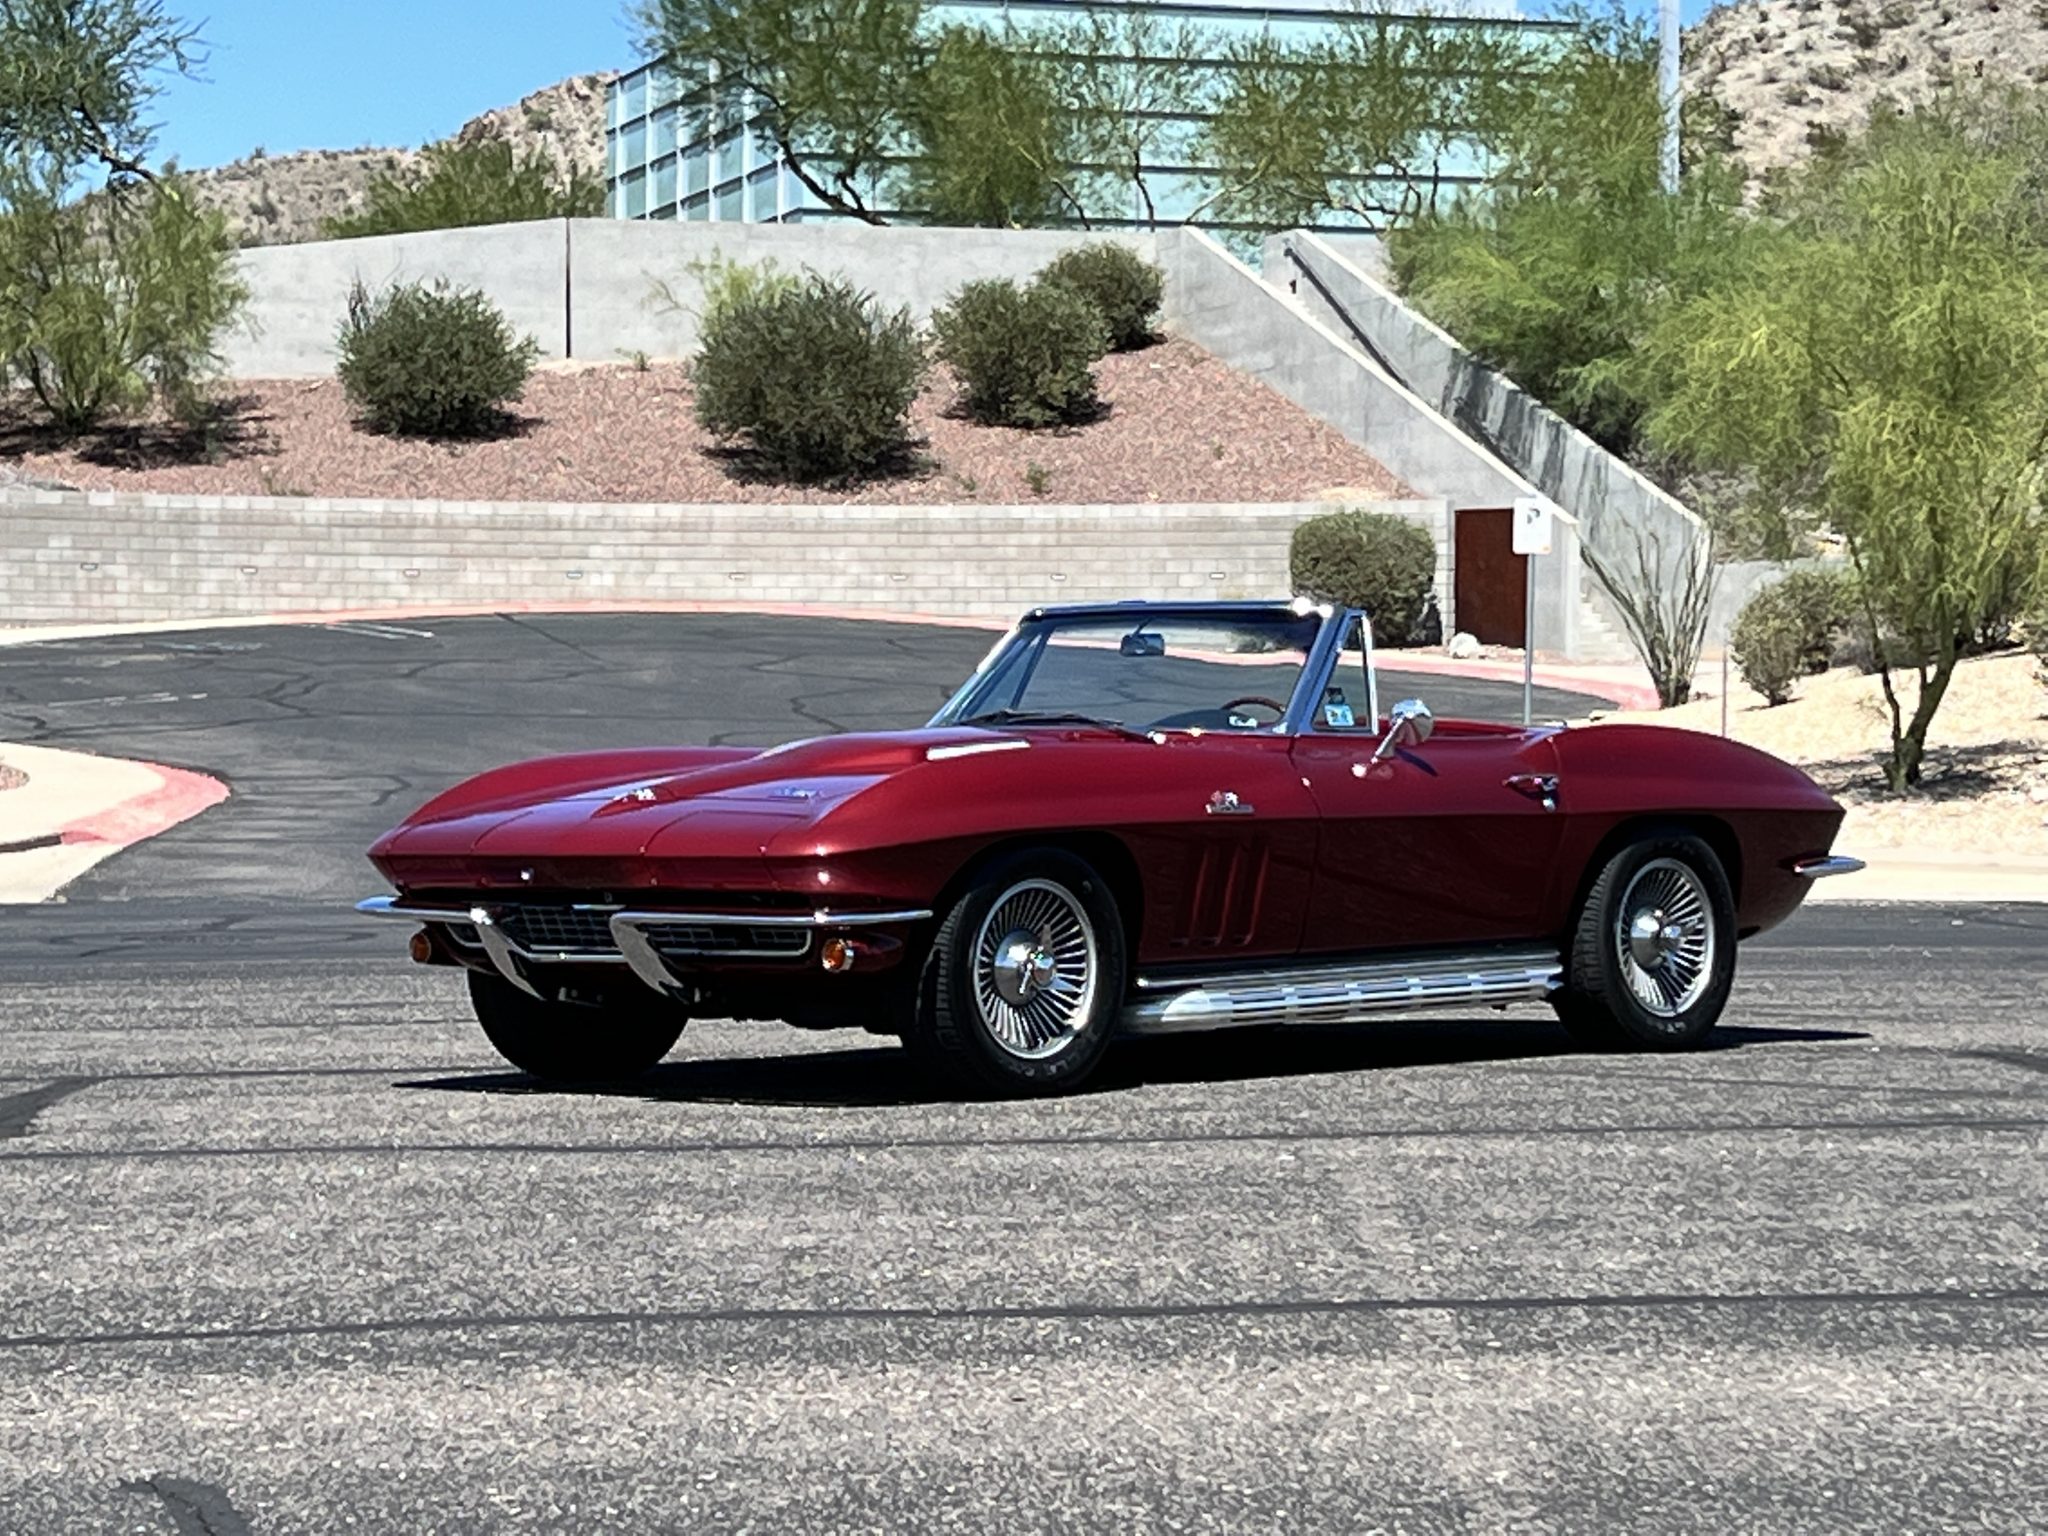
278	199
1793	72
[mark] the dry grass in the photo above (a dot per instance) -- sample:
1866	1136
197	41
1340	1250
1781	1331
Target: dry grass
1179	427
1986	774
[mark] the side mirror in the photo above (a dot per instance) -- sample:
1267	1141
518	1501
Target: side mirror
1408	725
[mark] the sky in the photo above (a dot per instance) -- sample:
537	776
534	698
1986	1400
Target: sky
338	74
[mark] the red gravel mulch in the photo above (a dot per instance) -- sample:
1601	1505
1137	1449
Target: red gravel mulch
1179	427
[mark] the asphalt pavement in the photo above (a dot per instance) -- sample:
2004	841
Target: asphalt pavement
284	1248
329	734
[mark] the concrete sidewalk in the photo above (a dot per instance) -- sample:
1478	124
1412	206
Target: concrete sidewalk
75	809
1930	875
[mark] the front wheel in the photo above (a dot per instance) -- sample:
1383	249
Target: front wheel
572	1042
1025	979
1653	954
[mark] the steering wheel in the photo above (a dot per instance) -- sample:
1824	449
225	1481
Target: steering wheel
1279	709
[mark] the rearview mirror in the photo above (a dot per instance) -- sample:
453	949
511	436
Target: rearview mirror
1142	644
1409	724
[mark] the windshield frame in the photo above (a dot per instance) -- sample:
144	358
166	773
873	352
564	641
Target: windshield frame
1035	629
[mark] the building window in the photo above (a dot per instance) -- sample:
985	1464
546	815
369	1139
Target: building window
633	141
665	182
633	96
761	196
732	154
698	207
731	202
696	168
665	130
636	194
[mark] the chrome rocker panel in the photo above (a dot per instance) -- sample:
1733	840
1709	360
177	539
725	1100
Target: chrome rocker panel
629	931
1342	992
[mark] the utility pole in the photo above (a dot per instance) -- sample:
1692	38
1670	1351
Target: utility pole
1667	87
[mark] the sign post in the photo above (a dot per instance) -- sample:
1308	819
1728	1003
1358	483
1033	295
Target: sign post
1532	538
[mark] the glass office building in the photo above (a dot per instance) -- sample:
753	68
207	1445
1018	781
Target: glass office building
659	168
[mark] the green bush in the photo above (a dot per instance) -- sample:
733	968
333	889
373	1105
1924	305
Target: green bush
109	301
813	377
1024	356
1383	564
1791	630
1125	289
431	362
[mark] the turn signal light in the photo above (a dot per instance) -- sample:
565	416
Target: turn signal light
421	948
838	956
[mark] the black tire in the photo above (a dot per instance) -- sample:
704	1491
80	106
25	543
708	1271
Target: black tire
570	1042
1673	882
975	1035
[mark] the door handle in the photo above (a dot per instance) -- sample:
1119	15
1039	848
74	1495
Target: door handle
1537	786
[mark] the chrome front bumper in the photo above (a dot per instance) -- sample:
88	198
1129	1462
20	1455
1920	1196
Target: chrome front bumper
643	941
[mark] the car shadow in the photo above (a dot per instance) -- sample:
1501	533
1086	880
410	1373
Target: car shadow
883	1076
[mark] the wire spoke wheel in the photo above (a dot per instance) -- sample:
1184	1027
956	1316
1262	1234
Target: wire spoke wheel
1036	965
1665	939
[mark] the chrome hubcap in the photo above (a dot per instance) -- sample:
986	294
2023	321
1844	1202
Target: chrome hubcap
1034	969
1664	938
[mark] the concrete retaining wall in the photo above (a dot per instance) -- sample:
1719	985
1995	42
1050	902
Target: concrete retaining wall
1613	504
1223	306
600	288
72	558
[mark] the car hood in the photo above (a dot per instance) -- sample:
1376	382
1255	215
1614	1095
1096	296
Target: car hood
696	803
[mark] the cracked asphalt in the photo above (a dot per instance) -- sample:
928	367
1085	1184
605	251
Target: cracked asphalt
284	1249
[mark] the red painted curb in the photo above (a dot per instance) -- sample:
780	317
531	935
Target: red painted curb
182	795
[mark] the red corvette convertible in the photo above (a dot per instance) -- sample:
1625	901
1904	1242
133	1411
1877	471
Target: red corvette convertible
1136	818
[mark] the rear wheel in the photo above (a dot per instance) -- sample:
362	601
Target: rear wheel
1653	954
573	1042
1025	979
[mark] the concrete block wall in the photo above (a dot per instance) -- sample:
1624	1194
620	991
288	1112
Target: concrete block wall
81	558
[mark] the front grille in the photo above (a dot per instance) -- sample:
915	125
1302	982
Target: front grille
558	929
775	942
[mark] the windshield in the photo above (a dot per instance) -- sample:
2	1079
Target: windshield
1144	672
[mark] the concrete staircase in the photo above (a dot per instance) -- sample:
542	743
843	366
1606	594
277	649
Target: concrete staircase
1313	349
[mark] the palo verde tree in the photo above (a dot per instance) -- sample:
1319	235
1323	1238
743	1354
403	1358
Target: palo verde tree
995	141
1555	273
114	283
458	184
825	83
1359	124
1884	361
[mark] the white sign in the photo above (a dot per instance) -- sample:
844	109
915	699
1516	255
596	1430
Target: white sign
1532	526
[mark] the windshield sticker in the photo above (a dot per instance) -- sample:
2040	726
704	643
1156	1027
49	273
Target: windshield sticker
1338	716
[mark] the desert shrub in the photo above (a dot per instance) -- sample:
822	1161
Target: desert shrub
110	301
1125	289
456	185
431	362
1383	564
1791	630
1024	356
812	376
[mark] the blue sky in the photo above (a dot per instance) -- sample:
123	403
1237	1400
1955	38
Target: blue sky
316	74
